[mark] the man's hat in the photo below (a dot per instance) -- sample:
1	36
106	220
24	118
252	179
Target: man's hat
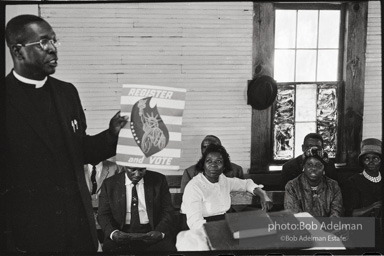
261	92
370	145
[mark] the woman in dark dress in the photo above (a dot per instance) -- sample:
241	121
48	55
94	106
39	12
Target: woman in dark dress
363	194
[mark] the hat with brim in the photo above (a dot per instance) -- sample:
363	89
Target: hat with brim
370	146
261	92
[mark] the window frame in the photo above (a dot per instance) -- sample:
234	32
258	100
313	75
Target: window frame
350	105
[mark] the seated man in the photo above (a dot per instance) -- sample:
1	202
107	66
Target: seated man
294	167
190	172
95	174
135	212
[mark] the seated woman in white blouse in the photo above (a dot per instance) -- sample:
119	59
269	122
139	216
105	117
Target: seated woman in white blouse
207	195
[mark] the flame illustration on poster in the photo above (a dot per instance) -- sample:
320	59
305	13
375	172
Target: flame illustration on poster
152	136
148	129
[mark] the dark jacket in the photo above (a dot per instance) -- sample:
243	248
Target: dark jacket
34	191
327	202
113	203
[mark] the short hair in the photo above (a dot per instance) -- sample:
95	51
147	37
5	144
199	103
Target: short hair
15	29
213	148
313	136
209	138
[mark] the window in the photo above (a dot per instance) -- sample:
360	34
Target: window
307	64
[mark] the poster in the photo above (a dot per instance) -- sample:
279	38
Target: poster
152	136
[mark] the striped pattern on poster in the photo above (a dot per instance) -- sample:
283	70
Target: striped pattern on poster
152	136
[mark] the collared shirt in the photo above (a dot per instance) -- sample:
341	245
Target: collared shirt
203	198
141	196
142	206
37	83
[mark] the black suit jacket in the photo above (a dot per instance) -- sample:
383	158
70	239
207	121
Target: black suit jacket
113	203
34	199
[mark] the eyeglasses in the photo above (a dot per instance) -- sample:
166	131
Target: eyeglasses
44	43
374	159
133	169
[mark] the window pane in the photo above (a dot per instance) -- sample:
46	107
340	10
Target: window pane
307	29
283	147
285	32
301	130
327	65
306	98
327	117
329	29
306	65
284	65
284	124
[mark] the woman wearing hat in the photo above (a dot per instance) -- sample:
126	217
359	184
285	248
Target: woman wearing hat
363	191
312	191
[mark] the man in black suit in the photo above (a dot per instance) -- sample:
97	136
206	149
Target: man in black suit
135	212
48	204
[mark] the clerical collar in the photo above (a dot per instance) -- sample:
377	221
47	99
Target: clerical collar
37	83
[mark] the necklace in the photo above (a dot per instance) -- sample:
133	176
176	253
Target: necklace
314	192
372	179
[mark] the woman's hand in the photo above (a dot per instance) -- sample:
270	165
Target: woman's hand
266	202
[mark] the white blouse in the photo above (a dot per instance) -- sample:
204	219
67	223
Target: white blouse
204	199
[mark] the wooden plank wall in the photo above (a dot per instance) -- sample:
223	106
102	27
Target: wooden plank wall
203	47
372	125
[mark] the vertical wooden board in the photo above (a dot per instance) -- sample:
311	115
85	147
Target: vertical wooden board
262	57
372	123
354	72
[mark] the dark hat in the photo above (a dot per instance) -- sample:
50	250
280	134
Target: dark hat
261	92
370	145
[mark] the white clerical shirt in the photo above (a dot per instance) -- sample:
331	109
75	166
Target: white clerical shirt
37	83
